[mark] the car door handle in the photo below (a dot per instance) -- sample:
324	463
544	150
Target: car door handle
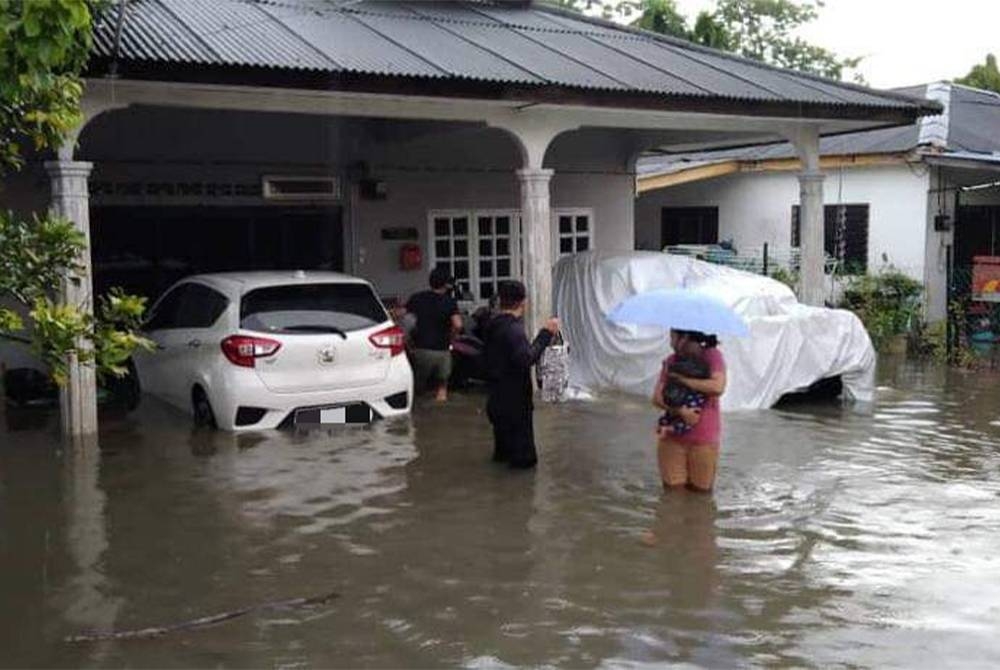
194	344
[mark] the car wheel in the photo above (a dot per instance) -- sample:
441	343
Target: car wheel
204	417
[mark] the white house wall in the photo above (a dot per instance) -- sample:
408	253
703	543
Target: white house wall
757	208
425	165
474	169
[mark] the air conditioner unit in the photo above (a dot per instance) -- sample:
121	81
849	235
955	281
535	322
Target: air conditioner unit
301	188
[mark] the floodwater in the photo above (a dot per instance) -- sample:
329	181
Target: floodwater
837	536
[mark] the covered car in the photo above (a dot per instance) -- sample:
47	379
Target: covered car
791	346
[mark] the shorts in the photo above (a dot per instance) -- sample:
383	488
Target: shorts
431	367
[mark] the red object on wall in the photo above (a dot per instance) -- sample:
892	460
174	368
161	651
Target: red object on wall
411	257
986	278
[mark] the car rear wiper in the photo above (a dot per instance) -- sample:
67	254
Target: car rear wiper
315	328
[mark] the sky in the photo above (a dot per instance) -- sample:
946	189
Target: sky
903	42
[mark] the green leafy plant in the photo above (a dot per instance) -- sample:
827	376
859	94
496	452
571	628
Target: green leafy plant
888	303
35	257
44	45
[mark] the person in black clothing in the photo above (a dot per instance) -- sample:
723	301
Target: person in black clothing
509	358
438	320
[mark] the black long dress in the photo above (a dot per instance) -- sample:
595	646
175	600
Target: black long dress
509	358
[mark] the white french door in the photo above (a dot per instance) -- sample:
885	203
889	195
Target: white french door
480	248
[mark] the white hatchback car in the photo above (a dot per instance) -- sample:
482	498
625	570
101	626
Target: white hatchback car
258	350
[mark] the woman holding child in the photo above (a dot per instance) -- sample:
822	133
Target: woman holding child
688	435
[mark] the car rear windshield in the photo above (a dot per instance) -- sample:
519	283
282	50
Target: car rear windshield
311	308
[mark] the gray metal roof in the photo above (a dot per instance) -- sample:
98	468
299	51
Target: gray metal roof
973	133
465	40
973	121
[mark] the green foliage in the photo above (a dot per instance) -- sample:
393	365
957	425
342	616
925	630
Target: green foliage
35	257
662	16
888	303
985	76
43	47
763	30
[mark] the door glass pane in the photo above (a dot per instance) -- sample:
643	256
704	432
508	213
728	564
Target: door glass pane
582	224
461	248
442	227
565	224
461	269
565	245
503	267
503	225
486	290
485	269
442	249
503	247
485	225
460	227
485	247
582	243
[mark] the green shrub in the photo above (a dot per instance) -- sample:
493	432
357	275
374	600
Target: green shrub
888	303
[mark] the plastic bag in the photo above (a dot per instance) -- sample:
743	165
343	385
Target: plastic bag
553	371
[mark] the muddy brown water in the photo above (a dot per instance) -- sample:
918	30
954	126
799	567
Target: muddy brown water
861	537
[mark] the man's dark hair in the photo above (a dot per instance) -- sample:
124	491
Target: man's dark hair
440	277
705	340
512	293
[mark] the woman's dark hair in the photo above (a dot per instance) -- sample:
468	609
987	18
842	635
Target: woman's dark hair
704	339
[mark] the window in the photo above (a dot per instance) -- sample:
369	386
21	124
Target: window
845	235
689	225
453	247
311	308
200	307
164	313
187	306
574	231
479	248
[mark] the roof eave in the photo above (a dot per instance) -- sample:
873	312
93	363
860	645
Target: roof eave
878	116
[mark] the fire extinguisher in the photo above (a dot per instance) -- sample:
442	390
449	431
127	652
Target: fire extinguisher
410	257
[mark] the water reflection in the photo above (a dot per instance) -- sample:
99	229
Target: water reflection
837	535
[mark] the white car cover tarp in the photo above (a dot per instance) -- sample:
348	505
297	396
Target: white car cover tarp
790	347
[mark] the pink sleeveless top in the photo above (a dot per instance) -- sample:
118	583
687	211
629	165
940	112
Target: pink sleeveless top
709	429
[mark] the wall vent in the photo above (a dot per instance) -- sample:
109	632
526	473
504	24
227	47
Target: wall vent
300	188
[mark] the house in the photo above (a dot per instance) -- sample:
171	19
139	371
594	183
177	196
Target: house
923	198
387	137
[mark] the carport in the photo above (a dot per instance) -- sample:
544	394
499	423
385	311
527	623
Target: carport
426	123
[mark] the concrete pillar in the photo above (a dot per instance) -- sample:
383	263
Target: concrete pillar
71	201
536	231
812	278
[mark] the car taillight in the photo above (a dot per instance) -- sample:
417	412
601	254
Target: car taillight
243	350
391	338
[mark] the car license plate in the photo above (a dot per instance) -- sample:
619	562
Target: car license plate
346	414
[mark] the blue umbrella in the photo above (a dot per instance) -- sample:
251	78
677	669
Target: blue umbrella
681	309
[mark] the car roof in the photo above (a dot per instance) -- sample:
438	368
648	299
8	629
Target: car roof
248	281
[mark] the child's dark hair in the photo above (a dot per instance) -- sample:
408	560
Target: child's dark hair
704	339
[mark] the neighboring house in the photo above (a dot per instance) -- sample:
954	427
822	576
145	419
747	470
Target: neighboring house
910	196
492	135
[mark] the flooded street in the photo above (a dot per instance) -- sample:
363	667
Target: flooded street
837	536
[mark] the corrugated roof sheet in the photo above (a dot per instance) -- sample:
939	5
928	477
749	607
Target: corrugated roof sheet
973	133
461	40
